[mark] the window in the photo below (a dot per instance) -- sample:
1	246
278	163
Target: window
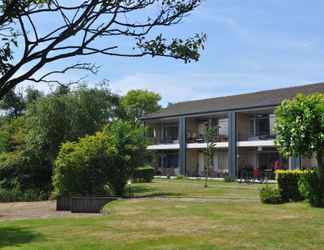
272	120
260	125
171	133
223	127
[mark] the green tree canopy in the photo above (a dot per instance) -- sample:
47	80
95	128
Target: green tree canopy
300	129
58	118
137	103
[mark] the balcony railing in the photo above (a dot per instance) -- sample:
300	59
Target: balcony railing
200	139
156	141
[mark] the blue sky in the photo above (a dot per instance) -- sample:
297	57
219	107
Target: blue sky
252	45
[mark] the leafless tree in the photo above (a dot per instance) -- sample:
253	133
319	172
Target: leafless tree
126	28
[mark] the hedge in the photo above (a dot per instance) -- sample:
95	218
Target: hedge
287	181
309	187
144	174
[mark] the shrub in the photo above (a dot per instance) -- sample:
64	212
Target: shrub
287	181
126	150
270	195
144	174
309	187
81	168
16	194
109	157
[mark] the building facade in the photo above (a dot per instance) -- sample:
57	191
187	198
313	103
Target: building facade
244	141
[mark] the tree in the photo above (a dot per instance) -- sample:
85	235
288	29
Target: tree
137	103
300	129
127	151
78	28
13	103
209	137
58	118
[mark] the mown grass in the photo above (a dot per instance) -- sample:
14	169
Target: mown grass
223	216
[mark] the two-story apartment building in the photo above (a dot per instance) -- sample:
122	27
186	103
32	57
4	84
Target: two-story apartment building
245	136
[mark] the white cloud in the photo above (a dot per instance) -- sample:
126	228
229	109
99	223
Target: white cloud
190	86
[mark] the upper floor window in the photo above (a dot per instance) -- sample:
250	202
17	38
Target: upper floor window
223	127
260	125
170	132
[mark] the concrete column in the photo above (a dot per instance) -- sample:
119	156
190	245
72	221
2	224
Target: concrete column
294	162
183	145
232	144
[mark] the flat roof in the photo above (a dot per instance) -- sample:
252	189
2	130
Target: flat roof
267	98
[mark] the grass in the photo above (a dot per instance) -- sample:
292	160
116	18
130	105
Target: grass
225	216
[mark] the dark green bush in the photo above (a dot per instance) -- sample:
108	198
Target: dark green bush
309	187
144	174
16	194
270	195
287	181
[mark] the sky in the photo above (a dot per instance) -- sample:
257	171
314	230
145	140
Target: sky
252	45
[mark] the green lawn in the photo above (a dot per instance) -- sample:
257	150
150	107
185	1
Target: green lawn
178	215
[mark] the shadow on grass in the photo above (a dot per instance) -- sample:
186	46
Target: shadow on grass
14	236
146	192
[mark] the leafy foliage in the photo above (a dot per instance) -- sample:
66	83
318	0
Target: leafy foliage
209	137
144	174
270	195
309	187
81	166
300	130
137	103
59	117
287	181
300	125
109	157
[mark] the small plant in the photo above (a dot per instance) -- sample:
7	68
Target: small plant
144	174
180	177
270	195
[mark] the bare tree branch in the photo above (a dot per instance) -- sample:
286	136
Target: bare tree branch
80	26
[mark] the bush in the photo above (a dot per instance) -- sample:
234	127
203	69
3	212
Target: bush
144	174
127	150
81	168
16	194
287	181
309	187
109	157
270	195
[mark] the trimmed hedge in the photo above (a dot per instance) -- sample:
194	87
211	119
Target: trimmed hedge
270	195
287	181
288	184
144	174
309	187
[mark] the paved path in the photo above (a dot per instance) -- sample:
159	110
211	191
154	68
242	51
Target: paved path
34	210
